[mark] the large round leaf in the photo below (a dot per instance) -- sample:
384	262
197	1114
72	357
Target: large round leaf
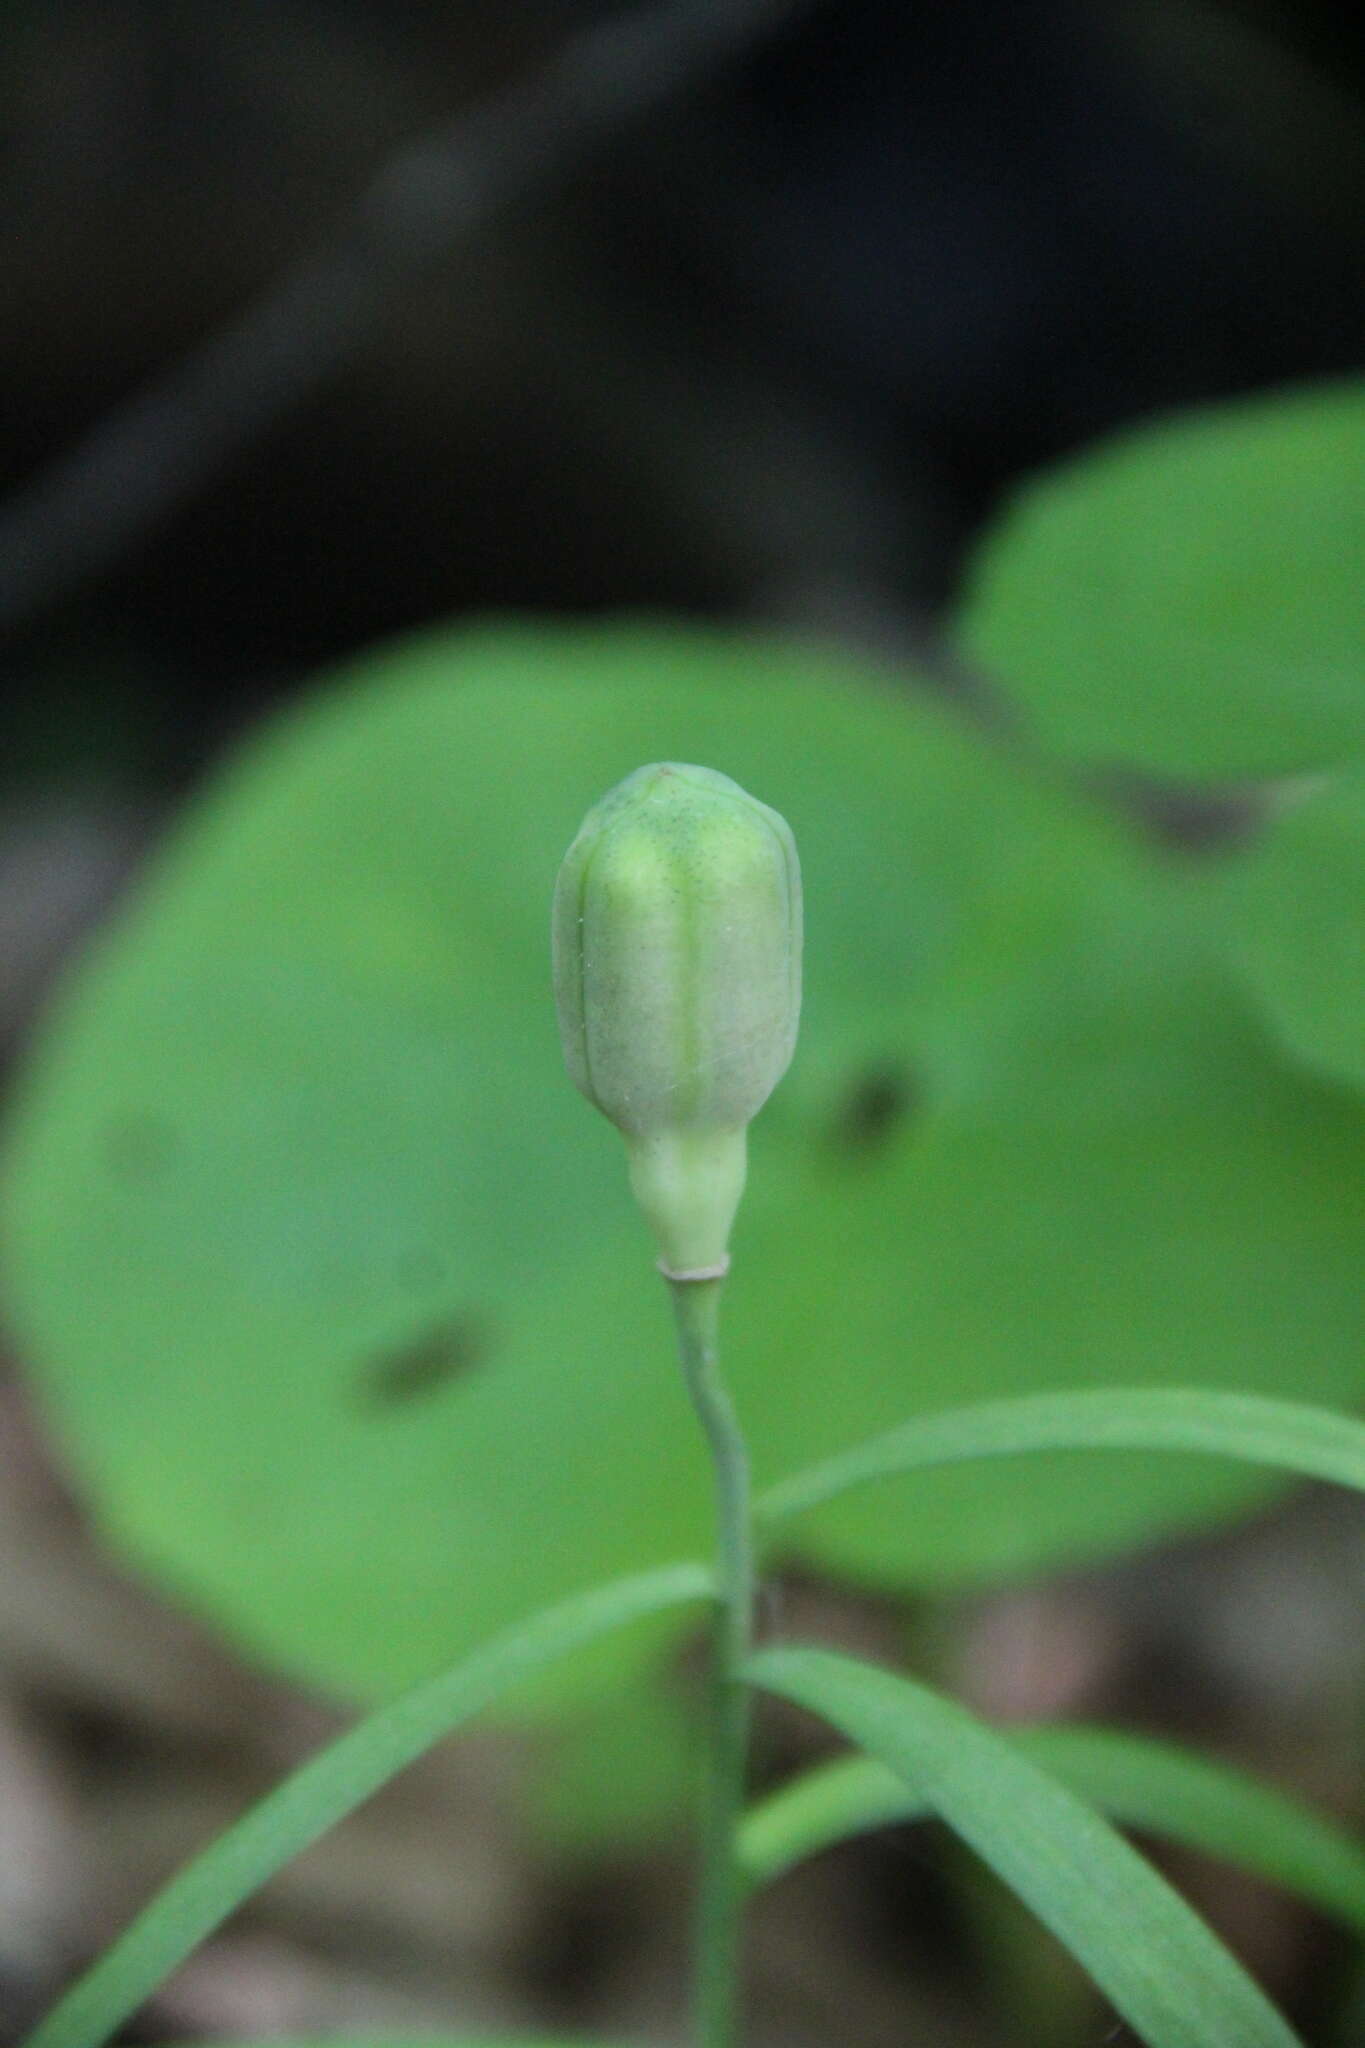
1187	596
333	1283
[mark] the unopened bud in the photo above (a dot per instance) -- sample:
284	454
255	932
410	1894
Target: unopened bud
677	967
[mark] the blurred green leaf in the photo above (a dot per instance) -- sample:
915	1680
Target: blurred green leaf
334	1287
1294	911
1138	1781
1152	1956
1187	596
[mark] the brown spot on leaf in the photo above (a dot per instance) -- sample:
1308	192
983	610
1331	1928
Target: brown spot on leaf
874	1107
417	1370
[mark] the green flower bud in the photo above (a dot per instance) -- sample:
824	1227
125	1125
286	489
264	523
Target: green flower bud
677	967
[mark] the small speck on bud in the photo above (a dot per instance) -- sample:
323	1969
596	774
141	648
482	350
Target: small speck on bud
677	970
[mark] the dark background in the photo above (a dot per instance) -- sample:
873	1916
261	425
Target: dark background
773	348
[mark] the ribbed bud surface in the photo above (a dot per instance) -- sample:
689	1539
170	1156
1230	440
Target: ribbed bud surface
677	958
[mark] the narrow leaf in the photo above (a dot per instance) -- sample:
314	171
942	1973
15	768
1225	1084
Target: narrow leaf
330	1786
1155	1960
1316	1443
1136	1780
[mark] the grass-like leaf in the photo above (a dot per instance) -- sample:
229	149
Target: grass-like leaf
1152	1956
1316	1443
331	1785
1138	1781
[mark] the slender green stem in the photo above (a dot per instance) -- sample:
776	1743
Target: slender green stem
696	1306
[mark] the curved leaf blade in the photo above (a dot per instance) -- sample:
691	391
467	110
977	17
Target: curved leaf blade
1161	1788
833	1802
330	1786
1315	1443
1138	1781
1152	1956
